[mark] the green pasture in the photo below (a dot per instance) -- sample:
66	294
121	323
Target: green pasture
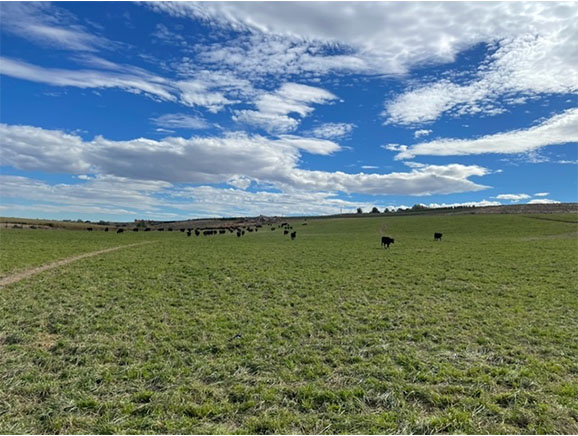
329	333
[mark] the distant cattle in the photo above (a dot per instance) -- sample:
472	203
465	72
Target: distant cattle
89	229
293	235
161	230
188	233
120	231
182	230
285	232
197	232
147	229
386	240
438	236
135	229
106	229
222	232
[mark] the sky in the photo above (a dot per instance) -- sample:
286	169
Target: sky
165	111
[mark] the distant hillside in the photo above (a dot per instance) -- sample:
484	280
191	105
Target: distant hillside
557	208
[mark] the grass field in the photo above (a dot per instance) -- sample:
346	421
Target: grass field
325	334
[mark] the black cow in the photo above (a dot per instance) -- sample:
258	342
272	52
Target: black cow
135	229
293	235
386	240
120	231
89	229
438	236
106	229
188	233
285	232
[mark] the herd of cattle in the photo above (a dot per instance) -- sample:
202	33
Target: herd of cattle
210	231
386	241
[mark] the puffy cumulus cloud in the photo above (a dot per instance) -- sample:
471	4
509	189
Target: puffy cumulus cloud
234	158
423	180
560	129
274	108
180	121
482	203
333	130
49	25
383	37
36	149
513	197
422	132
542	201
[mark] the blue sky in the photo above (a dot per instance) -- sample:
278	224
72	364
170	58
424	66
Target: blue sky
119	111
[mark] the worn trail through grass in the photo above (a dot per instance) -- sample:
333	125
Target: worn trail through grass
14	278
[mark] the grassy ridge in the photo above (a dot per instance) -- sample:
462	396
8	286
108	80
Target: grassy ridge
475	334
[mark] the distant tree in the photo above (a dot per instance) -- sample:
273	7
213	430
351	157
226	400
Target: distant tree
375	210
359	210
419	207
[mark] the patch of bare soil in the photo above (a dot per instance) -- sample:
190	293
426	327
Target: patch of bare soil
8	280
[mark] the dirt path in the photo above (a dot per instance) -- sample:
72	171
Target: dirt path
8	280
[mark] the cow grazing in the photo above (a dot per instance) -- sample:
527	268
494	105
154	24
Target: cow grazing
386	240
438	236
188	233
106	229
120	231
285	232
293	235
89	229
135	229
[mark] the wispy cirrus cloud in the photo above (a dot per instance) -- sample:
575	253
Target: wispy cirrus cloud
560	129
180	121
50	26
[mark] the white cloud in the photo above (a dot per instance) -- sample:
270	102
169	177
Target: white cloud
482	203
333	130
543	201
48	25
231	158
513	197
422	132
274	108
180	121
148	84
559	129
386	37
529	64
541	194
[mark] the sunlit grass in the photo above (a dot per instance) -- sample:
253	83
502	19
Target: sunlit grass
325	334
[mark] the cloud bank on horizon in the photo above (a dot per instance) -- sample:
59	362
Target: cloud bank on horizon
175	110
